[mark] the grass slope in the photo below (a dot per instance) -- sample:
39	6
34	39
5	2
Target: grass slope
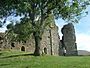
14	59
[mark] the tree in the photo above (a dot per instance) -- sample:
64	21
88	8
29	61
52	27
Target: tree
37	11
19	31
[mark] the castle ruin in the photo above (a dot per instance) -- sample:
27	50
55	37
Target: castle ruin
69	39
50	43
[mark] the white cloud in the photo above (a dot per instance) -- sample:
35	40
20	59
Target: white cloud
83	41
3	28
60	23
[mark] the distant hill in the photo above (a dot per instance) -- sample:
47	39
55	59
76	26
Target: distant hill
83	52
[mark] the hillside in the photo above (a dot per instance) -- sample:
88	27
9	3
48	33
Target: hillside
83	52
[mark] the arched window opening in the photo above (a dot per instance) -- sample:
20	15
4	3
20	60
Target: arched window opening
22	48
45	50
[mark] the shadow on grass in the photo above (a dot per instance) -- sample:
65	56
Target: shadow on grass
17	55
4	64
0	53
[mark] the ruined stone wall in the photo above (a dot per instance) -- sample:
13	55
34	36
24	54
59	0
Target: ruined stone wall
6	44
50	42
45	42
69	39
55	40
1	40
29	45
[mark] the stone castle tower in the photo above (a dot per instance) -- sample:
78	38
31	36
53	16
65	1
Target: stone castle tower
69	39
50	43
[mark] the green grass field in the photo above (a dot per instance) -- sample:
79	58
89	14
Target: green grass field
14	59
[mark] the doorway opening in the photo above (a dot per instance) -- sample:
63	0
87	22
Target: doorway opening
12	44
22	48
45	50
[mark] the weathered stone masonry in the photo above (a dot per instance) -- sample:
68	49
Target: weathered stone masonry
50	43
69	39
